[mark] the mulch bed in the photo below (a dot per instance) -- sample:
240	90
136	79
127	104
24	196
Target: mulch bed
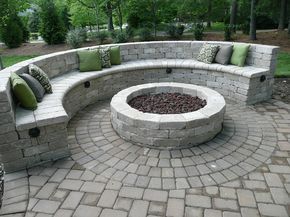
167	103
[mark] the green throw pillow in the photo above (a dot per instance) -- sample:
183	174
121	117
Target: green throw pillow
115	55
90	60
239	55
23	92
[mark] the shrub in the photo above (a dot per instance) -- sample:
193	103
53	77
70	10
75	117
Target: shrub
229	29
75	38
174	31
245	28
52	28
11	33
92	36
145	34
34	36
102	36
198	31
120	36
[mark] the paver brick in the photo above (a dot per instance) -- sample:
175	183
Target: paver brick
198	201
108	198
46	206
225	204
175	207
90	211
93	187
113	213
155	195
131	192
272	210
72	200
246	198
139	208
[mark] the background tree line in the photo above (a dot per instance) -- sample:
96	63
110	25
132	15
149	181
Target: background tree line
53	19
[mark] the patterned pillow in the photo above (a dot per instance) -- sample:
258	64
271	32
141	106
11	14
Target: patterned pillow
40	75
105	56
207	53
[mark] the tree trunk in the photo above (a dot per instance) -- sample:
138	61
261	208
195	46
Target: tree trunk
289	27
110	16
234	12
253	35
209	9
120	16
1	64
282	15
154	18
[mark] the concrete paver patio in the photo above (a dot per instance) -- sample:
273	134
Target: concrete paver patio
244	171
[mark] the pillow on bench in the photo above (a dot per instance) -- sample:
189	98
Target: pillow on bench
34	85
23	92
90	60
240	52
115	55
207	53
41	76
105	56
224	54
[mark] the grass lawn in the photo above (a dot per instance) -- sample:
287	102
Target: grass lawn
283	66
216	27
10	60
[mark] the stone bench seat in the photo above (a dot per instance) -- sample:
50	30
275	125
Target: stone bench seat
29	138
51	110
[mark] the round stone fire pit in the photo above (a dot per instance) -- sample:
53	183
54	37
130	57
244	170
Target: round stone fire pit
168	131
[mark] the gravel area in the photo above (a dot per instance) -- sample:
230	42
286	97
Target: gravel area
167	103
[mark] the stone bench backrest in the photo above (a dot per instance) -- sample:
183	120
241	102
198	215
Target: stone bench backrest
55	64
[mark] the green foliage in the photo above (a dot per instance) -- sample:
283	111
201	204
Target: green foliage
245	27
34	36
11	33
102	36
120	36
229	29
75	38
198	31
52	28
145	34
34	21
175	31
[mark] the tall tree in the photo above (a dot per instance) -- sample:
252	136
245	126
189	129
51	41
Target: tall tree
234	12
253	35
209	11
289	27
52	28
282	15
109	13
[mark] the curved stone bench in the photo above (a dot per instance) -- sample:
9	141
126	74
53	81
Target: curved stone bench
28	138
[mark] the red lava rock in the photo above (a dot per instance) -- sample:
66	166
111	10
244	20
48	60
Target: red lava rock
167	103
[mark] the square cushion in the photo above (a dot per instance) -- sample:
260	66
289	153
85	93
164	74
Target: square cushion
105	56
90	60
41	76
22	92
240	52
207	53
115	55
34	85
224	54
